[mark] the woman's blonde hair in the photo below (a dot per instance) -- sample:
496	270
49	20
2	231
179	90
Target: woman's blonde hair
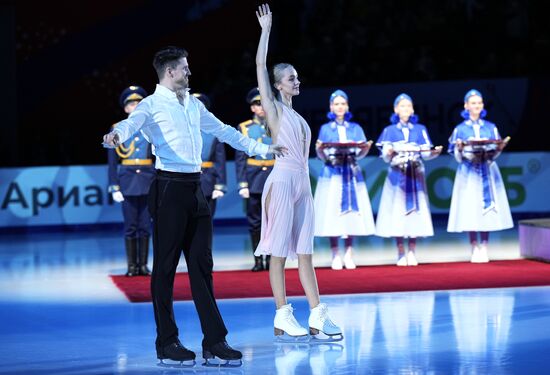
277	73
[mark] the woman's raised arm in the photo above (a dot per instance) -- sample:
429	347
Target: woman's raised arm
266	94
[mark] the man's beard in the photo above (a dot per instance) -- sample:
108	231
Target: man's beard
182	83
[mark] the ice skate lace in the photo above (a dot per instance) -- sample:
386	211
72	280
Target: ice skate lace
323	316
289	318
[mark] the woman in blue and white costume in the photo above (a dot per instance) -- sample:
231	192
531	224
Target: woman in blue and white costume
404	210
341	201
479	202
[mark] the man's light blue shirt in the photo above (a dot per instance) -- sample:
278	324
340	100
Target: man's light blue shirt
174	130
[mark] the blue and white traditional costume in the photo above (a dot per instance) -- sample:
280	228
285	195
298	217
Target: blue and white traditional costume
479	202
341	201
404	209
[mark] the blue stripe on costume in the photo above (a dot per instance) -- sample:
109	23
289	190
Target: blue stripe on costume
411	195
349	194
488	198
406	179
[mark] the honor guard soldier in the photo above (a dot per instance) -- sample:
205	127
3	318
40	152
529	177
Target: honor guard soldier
131	171
253	171
213	177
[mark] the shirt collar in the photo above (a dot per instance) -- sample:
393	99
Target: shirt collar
400	125
335	124
479	122
167	93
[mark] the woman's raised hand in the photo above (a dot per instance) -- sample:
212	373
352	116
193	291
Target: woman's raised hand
264	16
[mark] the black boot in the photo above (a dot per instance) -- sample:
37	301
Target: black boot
175	352
223	352
267	259
131	256
143	255
258	263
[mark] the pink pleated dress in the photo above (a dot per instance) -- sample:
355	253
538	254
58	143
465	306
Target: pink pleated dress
287	202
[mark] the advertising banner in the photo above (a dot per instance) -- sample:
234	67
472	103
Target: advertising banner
78	194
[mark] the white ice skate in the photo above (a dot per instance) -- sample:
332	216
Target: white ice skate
321	328
286	328
411	259
348	260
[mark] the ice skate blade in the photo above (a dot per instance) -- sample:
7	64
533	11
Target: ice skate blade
218	362
286	338
176	364
320	336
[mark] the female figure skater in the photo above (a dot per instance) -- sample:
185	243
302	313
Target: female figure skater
404	210
342	204
287	203
479	202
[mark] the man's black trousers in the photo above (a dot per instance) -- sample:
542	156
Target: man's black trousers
182	222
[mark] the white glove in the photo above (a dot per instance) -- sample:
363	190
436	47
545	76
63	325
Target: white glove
244	193
468	153
117	196
217	194
399	160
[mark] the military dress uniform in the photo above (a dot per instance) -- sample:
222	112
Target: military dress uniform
131	171
213	175
252	172
213	172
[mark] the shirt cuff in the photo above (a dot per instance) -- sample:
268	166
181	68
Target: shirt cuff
260	149
220	187
119	133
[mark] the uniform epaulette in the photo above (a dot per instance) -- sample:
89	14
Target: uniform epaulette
244	126
244	123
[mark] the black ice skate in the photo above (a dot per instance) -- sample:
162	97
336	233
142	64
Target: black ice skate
175	355
221	355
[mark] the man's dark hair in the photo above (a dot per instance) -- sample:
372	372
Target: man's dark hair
168	56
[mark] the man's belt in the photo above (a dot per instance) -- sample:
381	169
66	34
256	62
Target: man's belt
137	162
207	164
261	163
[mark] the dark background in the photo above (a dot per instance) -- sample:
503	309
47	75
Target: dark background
63	64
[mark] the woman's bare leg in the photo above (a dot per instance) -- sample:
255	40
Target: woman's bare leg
308	279
276	268
277	280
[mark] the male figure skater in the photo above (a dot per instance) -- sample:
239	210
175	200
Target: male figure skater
171	120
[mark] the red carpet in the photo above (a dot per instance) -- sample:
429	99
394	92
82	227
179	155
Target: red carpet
367	279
